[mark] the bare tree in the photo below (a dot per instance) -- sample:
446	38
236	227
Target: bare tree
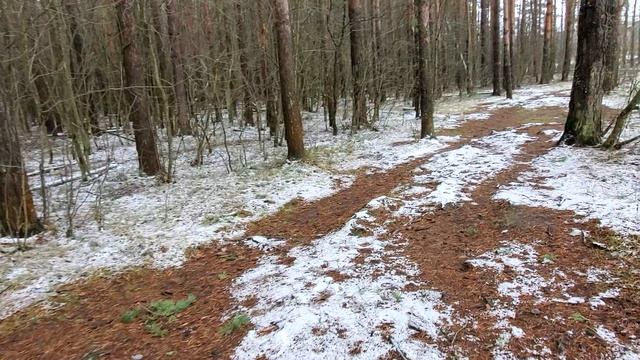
288	94
495	33
17	212
508	27
177	62
426	96
584	121
136	95
356	34
568	38
547	53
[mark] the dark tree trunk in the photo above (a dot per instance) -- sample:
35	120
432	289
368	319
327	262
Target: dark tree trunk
508	70
356	34
583	126
289	96
495	33
135	93
568	38
485	36
17	212
612	48
247	100
177	62
547	53
426	86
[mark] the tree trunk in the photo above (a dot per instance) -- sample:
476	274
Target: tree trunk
547	56
568	38
495	25
135	92
484	42
17	212
376	25
612	48
426	96
177	63
508	74
632	52
583	126
247	100
357	65
621	121
289	96
625	34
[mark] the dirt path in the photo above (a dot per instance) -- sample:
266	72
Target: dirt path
442	243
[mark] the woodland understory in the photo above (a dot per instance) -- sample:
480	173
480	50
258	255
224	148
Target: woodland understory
319	179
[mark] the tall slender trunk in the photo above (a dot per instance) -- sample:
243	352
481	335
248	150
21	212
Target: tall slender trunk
568	38
484	42
426	96
535	38
135	92
508	75
547	53
584	121
356	33
625	34
495	33
177	63
612	48
247	99
632	52
376	25
288	93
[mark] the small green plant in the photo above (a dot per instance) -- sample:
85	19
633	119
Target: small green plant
130	315
397	295
230	257
223	275
471	231
236	323
155	330
168	307
157	313
548	258
578	317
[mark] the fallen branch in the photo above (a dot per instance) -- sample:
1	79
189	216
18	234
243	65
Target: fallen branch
92	175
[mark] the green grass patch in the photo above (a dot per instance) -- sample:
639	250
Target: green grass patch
236	323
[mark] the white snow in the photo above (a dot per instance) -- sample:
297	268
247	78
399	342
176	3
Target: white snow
316	317
590	182
458	172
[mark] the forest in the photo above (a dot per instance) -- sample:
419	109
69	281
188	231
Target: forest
319	179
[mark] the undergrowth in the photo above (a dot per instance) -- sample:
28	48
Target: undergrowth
157	314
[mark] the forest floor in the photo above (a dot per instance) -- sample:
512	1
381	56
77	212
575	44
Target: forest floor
487	242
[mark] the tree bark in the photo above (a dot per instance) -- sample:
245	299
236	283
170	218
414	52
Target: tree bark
568	38
17	212
356	34
426	86
289	96
247	100
177	63
508	74
135	93
632	52
495	25
484	42
612	48
584	121
547	56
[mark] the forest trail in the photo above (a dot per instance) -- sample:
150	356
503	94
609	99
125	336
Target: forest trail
419	261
